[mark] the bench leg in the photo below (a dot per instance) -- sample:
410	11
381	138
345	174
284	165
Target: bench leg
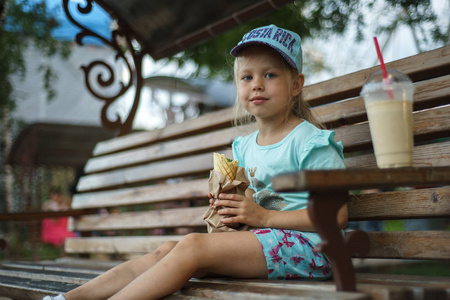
323	208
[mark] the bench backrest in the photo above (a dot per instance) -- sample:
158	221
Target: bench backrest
150	187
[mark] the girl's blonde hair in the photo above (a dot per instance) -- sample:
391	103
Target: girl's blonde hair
297	106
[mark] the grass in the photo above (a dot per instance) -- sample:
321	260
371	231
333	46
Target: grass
417	268
428	268
394	225
44	252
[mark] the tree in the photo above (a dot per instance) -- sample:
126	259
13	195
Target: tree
22	23
321	18
26	22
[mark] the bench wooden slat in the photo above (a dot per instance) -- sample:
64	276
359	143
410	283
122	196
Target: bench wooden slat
216	289
426	90
370	209
438	62
256	289
423	203
117	244
49	266
222	138
217	140
174	217
34	289
25	289
370	285
410	245
423	156
71	264
186	166
185	190
209	122
423	287
432	92
74	278
356	137
428	93
193	189
439	282
376	291
353	108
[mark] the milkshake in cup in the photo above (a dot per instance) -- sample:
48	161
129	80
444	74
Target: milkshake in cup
389	105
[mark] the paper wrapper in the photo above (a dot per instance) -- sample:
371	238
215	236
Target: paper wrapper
221	181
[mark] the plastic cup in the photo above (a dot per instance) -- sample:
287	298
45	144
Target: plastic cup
389	104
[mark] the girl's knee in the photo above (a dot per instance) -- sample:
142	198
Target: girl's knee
192	240
192	244
165	248
138	265
159	253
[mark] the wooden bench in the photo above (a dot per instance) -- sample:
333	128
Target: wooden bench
150	187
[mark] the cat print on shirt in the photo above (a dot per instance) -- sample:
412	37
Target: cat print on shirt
265	198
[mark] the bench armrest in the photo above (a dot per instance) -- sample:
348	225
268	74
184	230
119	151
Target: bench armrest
356	179
328	192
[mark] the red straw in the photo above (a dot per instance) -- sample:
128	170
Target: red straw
383	67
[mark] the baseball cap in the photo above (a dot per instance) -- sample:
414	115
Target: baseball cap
285	42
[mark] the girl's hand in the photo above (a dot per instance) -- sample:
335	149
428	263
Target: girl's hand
211	199
242	209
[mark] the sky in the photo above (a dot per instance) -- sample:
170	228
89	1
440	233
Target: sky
346	56
97	20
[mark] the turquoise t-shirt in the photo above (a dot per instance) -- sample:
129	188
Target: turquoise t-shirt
305	148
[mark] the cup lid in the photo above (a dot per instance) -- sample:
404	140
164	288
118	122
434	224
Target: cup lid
376	81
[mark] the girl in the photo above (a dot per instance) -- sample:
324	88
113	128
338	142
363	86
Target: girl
269	82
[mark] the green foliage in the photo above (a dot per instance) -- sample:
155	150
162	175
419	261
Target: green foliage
394	225
416	268
319	18
27	23
25	244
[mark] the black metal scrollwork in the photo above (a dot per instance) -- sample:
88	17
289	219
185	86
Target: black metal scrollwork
121	38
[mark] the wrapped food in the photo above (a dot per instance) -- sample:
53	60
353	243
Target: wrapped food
227	177
226	166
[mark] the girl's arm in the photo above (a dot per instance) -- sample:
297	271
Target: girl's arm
299	219
246	211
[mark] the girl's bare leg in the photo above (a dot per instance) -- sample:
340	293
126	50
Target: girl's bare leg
235	254
112	281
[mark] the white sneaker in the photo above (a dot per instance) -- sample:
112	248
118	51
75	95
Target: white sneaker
59	297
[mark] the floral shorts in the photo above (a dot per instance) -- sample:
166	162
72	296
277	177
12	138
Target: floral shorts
290	255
